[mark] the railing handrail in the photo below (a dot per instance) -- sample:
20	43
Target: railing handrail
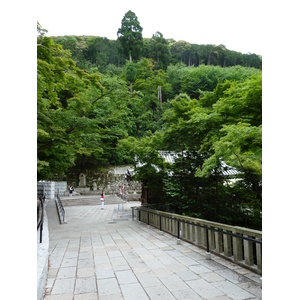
209	223
210	228
219	229
61	207
41	218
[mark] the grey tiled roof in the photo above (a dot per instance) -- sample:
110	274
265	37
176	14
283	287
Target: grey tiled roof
170	157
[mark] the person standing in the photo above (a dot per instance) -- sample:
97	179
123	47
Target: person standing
102	201
71	190
123	191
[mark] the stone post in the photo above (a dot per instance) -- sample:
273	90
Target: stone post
248	248
227	245
202	237
212	244
258	256
237	248
219	242
197	235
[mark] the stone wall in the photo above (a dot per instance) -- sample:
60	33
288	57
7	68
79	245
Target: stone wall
61	187
105	180
50	188
47	187
88	182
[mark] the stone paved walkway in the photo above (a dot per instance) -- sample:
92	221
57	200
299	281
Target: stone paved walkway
104	254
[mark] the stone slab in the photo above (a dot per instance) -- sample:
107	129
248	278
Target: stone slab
85	285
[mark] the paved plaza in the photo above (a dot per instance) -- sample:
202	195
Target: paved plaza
104	254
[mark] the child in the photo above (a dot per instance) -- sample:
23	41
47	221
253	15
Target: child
102	201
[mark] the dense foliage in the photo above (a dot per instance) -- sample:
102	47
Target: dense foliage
95	108
90	52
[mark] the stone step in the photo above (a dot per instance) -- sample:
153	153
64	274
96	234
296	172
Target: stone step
90	200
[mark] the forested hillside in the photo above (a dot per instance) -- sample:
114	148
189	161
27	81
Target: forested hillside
102	102
99	53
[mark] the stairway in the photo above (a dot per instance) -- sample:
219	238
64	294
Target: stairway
90	200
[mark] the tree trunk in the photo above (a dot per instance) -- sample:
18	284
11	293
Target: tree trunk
159	95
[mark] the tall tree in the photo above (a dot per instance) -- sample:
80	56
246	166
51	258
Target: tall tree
130	36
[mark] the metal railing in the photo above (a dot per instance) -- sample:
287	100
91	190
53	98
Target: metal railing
40	217
240	245
60	208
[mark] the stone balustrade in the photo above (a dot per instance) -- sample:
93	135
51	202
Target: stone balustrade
237	244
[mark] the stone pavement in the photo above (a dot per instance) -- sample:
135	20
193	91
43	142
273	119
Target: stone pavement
104	254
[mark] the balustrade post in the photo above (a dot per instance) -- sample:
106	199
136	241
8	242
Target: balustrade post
183	230
197	235
187	231
259	256
193	233
219	241
212	244
227	245
173	227
190	232
178	232
202	236
237	244
248	248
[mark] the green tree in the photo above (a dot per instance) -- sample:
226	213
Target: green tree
224	124
68	42
196	80
130	36
240	140
97	52
160	51
180	52
130	74
64	131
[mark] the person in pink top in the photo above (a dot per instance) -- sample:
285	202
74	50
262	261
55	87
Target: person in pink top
102	201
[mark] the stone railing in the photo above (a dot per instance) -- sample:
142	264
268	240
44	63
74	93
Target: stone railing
237	244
